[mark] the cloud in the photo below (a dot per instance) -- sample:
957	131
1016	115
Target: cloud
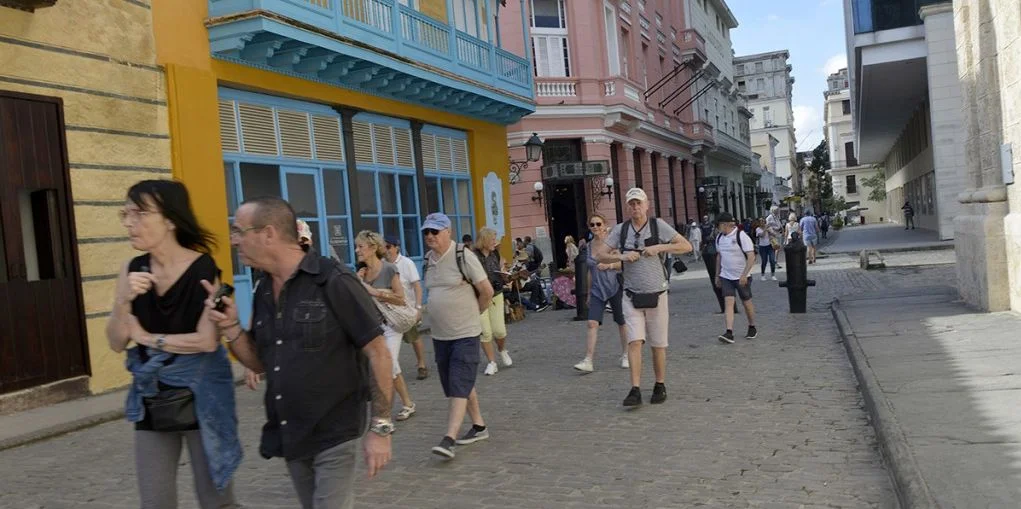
808	126
773	17
834	64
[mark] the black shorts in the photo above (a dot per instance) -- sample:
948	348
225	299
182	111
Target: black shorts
730	287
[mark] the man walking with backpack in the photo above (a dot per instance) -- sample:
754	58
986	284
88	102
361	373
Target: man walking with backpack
735	260
640	244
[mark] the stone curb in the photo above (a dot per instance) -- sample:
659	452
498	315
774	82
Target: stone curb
905	249
61	428
912	491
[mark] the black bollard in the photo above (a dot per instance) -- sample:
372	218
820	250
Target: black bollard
581	276
797	282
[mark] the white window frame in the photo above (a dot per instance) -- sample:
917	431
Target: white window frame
612	44
552	41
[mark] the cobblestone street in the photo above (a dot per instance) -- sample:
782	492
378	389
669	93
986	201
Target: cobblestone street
774	422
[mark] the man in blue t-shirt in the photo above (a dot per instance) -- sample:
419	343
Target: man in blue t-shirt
810	230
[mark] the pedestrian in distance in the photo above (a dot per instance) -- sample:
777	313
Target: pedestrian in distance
182	389
765	246
467	241
824	225
604	289
571	251
494	326
735	260
695	239
413	295
319	335
383	282
639	244
909	215
810	234
775	227
457	284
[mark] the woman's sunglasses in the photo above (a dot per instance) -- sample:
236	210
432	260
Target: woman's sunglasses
595	225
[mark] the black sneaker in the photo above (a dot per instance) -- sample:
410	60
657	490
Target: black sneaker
445	449
473	435
658	394
727	337
752	332
634	398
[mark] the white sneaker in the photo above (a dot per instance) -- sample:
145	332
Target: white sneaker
624	363
763	277
505	357
774	278
585	365
491	369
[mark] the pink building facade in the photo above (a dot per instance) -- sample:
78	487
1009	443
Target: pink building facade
616	90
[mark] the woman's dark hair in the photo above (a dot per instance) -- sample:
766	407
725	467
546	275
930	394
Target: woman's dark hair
172	201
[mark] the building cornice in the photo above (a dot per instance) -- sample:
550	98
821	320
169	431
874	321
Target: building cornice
934	9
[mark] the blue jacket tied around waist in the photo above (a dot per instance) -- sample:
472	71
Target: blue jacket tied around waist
209	377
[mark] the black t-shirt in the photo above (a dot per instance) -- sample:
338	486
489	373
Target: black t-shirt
492	265
177	311
309	340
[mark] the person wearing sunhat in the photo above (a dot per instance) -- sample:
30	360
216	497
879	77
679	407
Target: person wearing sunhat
413	293
640	243
457	282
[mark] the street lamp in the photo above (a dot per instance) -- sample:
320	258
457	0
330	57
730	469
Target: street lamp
608	182
533	151
538	192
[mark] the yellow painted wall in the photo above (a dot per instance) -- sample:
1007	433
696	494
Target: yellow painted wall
105	51
192	94
436	9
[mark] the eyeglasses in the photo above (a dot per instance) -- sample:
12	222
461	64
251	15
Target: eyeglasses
595	225
237	232
133	215
430	231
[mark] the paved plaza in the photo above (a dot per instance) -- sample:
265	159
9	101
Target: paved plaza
882	236
773	422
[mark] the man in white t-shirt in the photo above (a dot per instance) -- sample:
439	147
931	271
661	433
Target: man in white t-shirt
413	293
735	260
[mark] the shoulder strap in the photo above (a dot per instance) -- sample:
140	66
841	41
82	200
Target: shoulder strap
654	229
459	255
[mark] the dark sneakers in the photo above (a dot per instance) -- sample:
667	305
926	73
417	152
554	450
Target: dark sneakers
658	394
727	337
445	449
752	332
473	435
634	398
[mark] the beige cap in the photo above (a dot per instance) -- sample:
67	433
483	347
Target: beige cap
636	193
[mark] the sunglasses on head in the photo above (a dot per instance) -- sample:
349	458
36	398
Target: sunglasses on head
430	231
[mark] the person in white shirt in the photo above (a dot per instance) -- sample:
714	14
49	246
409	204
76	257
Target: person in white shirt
695	239
412	293
735	260
766	252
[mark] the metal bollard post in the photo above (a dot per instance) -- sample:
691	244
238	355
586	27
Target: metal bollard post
797	282
581	276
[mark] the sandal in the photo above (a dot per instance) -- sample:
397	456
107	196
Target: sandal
406	413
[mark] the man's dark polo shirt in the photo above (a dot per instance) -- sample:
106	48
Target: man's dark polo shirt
316	378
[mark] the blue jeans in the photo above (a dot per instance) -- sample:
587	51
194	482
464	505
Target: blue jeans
766	253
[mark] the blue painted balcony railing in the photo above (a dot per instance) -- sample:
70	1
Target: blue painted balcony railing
382	24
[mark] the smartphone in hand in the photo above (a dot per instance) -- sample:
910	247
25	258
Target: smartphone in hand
225	290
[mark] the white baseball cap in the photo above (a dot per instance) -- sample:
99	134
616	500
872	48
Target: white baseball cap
636	193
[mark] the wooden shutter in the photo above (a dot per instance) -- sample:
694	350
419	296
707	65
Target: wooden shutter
382	138
363	142
460	149
444	159
258	129
228	127
429	151
405	153
328	142
295	136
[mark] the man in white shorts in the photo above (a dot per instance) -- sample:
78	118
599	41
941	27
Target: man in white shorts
640	244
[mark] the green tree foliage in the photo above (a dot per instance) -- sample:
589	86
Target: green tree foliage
820	185
877	186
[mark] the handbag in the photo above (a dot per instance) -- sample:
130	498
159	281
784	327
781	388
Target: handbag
172	410
643	300
679	266
400	318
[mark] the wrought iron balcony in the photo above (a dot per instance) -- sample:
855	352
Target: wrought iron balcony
376	46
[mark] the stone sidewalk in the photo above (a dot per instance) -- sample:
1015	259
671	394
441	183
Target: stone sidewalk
943	387
775	422
884	237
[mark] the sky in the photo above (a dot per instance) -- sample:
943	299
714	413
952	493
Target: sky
813	32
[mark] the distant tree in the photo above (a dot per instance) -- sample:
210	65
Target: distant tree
877	186
835	204
820	185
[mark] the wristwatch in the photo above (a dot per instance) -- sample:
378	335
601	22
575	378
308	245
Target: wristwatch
382	427
161	342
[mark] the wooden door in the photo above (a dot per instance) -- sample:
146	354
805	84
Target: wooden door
42	320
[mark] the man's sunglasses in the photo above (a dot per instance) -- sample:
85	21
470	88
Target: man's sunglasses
430	231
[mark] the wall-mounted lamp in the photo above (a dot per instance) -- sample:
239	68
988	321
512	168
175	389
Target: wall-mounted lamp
608	182
538	192
533	151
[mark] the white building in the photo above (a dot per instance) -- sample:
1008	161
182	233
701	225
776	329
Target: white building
765	80
906	104
845	171
721	106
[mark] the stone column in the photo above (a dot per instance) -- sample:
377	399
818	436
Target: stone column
626	164
689	191
946	117
645	157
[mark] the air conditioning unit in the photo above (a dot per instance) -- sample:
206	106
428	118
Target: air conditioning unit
568	170
596	168
549	172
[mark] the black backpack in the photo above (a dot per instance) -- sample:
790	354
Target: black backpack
654	234
538	256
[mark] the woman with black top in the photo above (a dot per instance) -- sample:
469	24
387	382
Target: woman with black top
182	390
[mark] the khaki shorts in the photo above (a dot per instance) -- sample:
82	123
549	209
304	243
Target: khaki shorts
493	323
651	325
